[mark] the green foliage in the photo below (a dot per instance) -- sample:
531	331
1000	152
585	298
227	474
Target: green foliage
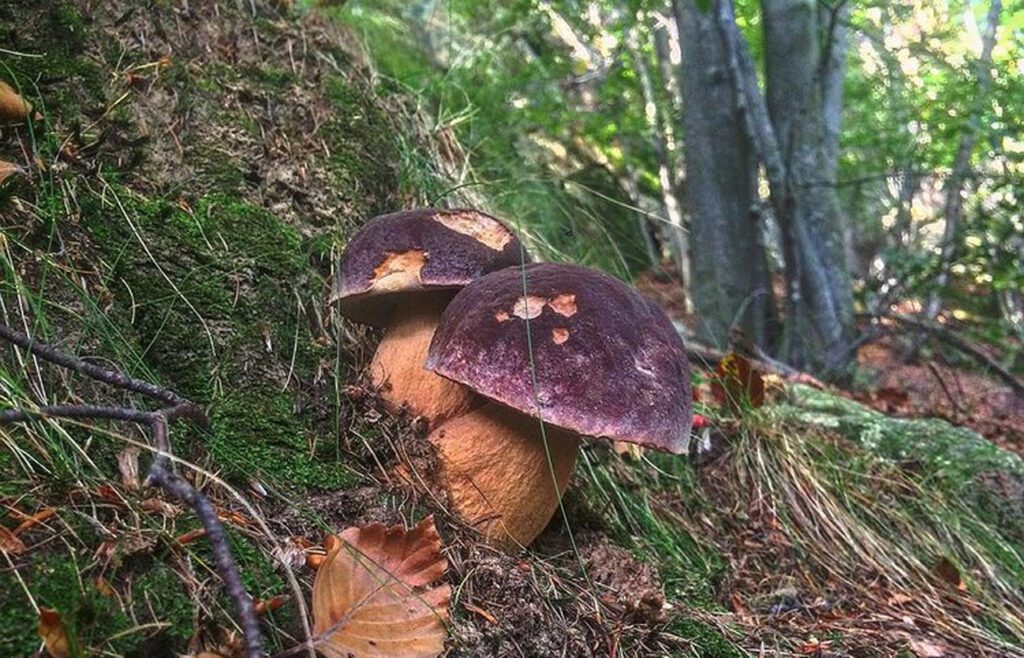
487	72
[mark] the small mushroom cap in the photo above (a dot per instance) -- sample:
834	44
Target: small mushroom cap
608	361
426	249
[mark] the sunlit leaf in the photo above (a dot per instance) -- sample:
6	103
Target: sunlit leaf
374	594
12	106
54	634
9	542
737	384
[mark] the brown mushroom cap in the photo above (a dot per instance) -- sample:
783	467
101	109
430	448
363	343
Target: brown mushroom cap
608	361
419	250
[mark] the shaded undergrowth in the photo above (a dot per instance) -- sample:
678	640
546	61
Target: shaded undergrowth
192	248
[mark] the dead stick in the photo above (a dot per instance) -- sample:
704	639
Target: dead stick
950	337
160	473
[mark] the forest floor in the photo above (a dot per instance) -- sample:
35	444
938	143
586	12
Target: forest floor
193	172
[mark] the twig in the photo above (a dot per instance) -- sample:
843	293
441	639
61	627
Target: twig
945	389
950	337
160	473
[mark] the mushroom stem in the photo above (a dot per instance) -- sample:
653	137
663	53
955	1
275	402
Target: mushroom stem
496	471
397	366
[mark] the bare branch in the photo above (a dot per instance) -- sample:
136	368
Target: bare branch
160	473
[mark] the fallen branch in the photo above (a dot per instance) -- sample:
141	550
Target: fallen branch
708	358
950	337
160	473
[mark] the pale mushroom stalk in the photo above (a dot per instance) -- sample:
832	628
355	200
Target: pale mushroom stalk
397	367
497	473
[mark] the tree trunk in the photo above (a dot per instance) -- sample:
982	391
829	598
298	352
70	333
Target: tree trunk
657	127
805	106
729	271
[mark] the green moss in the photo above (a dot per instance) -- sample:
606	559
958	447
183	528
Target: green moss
95	620
58	32
707	641
951	455
215	310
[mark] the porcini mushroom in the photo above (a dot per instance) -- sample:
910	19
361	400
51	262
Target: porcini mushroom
399	272
571	346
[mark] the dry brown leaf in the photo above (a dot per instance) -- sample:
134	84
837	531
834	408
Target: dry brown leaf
899	598
373	596
54	635
33	520
128	467
9	542
8	169
12	106
926	649
737	383
945	570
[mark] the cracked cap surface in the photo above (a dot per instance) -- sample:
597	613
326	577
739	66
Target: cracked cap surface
609	362
426	249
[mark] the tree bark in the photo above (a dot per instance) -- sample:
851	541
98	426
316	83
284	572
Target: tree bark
729	272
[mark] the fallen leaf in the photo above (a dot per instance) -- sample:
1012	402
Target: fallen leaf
374	596
12	106
103	587
926	649
190	536
128	467
737	384
161	507
54	634
814	647
263	606
736	604
480	611
8	169
9	542
946	571
30	522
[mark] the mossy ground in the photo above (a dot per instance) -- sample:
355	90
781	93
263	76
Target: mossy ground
182	265
179	224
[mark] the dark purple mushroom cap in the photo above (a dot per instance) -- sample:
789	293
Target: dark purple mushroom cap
426	249
609	363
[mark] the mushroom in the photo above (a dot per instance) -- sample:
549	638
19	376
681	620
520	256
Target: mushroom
399	272
568	345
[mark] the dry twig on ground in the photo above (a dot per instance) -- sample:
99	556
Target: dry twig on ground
160	472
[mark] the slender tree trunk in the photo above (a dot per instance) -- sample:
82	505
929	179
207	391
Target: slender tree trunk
805	107
953	208
657	128
632	188
729	272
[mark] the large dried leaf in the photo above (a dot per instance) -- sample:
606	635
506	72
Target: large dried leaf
373	596
12	106
54	634
737	384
